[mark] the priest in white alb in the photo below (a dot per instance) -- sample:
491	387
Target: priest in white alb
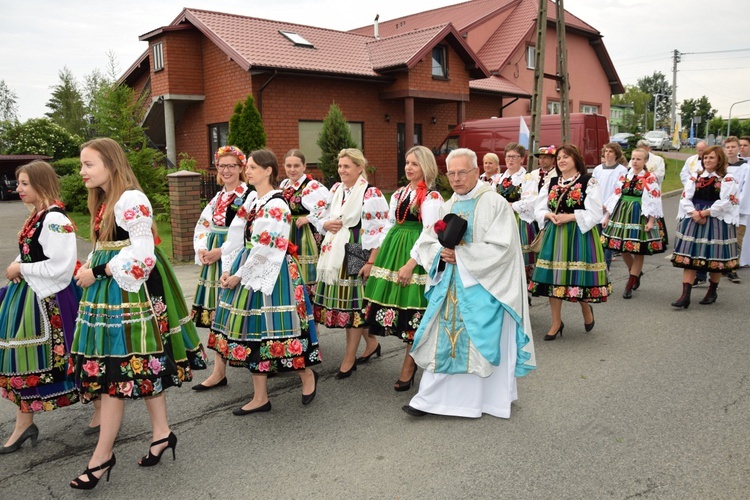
475	336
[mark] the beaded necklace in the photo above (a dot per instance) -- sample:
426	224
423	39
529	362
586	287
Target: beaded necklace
28	228
406	196
98	218
565	183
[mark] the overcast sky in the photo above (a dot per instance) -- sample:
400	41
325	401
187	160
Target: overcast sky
40	37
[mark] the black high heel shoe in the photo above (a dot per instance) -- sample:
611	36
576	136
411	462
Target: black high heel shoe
401	386
307	399
150	460
77	484
365	359
558	332
588	326
31	432
347	373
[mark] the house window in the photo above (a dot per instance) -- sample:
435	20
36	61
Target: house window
158	51
308	138
439	62
530	56
218	134
553	107
589	108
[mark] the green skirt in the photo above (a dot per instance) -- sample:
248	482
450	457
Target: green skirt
392	309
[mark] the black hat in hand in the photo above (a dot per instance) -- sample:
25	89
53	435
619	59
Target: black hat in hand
451	231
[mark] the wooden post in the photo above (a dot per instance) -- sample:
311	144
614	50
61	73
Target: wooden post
185	208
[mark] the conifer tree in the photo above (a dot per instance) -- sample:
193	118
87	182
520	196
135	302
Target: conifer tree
334	136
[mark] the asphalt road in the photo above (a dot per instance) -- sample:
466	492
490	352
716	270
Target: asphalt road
654	403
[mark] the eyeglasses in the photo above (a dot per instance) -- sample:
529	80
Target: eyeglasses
461	174
228	166
512	157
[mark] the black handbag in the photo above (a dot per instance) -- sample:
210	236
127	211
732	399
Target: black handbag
355	257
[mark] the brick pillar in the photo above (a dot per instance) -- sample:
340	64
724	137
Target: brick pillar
185	208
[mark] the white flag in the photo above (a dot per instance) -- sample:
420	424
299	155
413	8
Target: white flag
523	134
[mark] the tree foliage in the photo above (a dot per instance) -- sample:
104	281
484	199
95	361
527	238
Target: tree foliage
640	100
246	127
66	105
658	84
40	136
690	108
334	136
8	103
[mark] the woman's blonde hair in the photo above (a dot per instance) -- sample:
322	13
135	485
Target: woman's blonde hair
121	179
356	156
43	179
427	163
492	157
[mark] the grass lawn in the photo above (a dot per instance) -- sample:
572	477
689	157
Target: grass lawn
83	223
672	176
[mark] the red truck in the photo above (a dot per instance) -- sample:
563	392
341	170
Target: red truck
590	132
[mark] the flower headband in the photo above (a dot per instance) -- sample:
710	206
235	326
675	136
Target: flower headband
547	150
229	150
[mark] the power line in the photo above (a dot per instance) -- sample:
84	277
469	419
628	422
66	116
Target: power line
715	52
714	69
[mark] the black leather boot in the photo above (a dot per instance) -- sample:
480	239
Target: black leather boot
711	295
684	300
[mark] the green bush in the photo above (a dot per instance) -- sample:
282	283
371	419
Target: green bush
67	166
334	136
74	193
40	136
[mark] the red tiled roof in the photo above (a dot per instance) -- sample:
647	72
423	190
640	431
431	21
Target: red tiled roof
406	49
498	84
400	49
461	15
254	42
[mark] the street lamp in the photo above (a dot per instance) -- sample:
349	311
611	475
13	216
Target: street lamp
729	121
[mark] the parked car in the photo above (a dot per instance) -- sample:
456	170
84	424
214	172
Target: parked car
658	139
622	139
8	187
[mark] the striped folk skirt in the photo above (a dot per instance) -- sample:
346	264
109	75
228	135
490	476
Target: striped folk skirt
341	304
308	241
571	265
710	247
207	292
626	231
392	309
267	333
132	344
36	334
527	232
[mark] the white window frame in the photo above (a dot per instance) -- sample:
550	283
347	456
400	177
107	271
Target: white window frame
530	56
553	107
589	108
157	50
438	65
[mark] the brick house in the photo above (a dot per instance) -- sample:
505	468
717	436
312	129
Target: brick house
423	73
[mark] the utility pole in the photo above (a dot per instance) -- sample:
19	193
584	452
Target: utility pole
673	117
539	75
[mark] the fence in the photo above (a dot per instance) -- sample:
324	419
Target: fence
209	186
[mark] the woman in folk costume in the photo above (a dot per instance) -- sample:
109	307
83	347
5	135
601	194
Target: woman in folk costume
395	288
571	264
475	336
355	213
491	166
511	187
306	197
132	318
706	236
264	320
209	241
38	307
634	208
